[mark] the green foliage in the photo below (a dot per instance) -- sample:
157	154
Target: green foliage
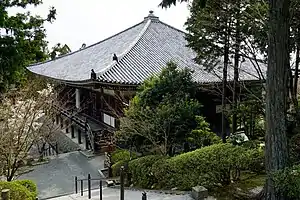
208	166
117	166
30	185
141	170
251	118
202	135
59	50
22	41
295	149
18	190
287	182
162	113
122	155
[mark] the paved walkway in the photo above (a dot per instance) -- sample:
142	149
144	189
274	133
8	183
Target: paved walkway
57	177
114	194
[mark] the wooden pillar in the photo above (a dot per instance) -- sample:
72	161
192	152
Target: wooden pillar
61	122
77	96
57	119
79	136
72	131
67	126
86	140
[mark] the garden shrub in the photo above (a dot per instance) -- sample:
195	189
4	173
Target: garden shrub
287	182
122	155
30	185
295	148
17	190
117	166
140	170
208	166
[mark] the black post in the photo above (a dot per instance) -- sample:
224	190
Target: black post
76	189
79	136
72	131
122	183
81	185
86	140
61	122
89	185
67	126
144	196
56	148
100	189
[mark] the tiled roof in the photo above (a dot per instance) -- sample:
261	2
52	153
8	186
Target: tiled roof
142	50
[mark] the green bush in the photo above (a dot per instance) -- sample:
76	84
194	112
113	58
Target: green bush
208	166
30	185
287	182
295	148
17	190
117	166
141	170
122	155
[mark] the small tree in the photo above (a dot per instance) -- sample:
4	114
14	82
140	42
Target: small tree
25	114
163	112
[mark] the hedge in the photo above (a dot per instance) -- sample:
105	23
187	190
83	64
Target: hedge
122	155
20	190
140	170
30	185
117	166
208	166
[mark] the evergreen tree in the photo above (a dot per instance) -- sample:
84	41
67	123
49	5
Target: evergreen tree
22	41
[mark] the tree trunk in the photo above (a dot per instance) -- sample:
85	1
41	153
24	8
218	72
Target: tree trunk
276	98
236	71
224	87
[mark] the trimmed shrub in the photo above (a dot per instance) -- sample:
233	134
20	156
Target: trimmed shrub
117	166
17	191
30	185
122	155
208	166
140	170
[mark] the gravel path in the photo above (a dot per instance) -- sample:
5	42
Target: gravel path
57	177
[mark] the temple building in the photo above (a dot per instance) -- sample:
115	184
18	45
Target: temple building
99	80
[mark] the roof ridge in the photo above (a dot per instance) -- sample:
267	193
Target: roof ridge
137	39
79	50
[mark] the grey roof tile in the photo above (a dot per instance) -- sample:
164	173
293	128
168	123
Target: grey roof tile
143	51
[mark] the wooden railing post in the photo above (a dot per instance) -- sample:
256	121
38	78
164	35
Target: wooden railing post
100	185
81	185
76	185
5	194
122	183
89	186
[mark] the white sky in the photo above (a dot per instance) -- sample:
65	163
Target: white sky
89	21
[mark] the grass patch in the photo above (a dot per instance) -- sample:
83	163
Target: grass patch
248	182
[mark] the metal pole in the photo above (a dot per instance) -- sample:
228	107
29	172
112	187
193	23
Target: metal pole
144	196
100	189
81	185
122	183
76	186
89	186
56	148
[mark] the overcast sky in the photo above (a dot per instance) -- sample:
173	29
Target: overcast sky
89	21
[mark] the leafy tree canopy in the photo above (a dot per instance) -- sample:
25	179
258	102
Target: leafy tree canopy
22	41
162	113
